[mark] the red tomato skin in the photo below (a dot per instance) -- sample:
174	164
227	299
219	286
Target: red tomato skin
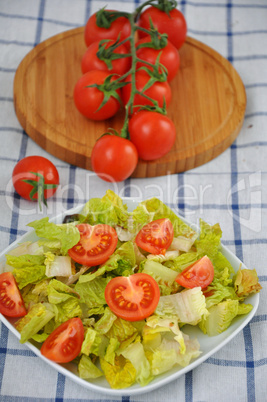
121	26
152	133
90	61
139	308
88	234
149	237
114	158
158	91
173	24
88	100
11	302
169	57
37	164
71	333
200	273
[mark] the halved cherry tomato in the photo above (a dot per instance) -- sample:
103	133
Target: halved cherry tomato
96	244
155	237
11	302
132	298
65	342
201	273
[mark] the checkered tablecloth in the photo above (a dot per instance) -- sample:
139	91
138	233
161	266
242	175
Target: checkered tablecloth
230	190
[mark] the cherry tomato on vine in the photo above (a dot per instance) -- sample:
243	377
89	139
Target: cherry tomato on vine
35	176
173	24
11	302
96	244
65	342
155	237
169	56
132	298
89	99
120	26
201	273
152	133
90	60
114	158
158	91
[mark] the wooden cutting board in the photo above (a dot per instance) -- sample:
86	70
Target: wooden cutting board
207	107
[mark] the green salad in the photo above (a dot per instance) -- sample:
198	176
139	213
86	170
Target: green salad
125	315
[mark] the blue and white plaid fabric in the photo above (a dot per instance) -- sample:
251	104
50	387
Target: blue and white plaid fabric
230	189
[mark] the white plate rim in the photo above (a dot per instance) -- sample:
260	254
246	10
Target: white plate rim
155	384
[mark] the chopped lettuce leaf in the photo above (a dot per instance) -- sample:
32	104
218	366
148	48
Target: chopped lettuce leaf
36	318
103	325
57	265
219	318
124	331
27	275
188	306
136	355
165	277
25	260
59	292
67	234
93	294
69	308
246	282
87	369
110	354
94	343
121	374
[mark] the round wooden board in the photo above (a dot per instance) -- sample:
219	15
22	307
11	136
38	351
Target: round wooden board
207	106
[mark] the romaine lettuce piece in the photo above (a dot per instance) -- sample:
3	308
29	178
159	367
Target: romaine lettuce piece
165	277
25	276
57	265
189	306
93	294
246	282
124	331
38	316
119	375
103	325
66	234
94	343
59	292
110	354
67	309
220	317
87	369
136	355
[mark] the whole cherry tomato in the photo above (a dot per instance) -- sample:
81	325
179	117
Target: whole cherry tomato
169	56
172	23
114	158
35	178
91	61
88	99
159	91
152	133
120	27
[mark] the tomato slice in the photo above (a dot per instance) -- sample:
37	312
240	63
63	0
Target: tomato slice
11	302
201	273
96	244
132	298
155	237
65	342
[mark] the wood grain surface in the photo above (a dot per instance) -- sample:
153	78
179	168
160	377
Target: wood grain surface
208	105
